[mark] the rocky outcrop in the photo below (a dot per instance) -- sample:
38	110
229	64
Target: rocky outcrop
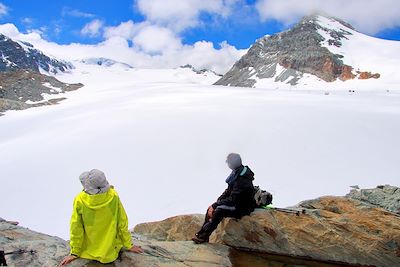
384	196
332	230
22	55
30	248
287	56
326	232
22	84
39	250
201	71
34	249
22	89
178	228
368	75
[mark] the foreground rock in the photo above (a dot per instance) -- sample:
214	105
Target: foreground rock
333	230
178	228
384	196
49	251
44	250
41	249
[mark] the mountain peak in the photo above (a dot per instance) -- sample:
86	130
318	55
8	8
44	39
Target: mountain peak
312	48
17	55
325	20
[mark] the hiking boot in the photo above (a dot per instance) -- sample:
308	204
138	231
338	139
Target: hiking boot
199	240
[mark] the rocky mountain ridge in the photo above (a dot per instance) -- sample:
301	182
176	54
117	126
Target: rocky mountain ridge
329	231
309	48
22	82
16	55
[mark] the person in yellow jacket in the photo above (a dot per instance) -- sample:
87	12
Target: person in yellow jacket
99	224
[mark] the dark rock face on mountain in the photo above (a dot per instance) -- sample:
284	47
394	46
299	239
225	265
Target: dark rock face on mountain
201	71
22	85
289	55
101	61
22	89
17	56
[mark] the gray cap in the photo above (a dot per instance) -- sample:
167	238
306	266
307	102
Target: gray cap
94	182
234	161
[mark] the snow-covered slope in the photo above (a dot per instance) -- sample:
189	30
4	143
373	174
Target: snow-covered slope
162	137
106	62
320	51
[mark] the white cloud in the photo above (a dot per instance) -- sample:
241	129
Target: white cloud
27	20
202	54
369	16
155	39
125	30
182	14
66	11
92	28
3	10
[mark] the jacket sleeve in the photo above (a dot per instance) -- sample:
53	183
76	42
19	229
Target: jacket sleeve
123	231
76	229
225	194
231	199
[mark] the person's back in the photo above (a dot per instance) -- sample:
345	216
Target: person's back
99	224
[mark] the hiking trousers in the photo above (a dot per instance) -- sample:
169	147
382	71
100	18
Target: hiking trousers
220	213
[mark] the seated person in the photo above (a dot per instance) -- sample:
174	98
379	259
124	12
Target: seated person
236	201
99	225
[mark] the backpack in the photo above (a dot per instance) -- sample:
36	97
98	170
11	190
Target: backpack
262	197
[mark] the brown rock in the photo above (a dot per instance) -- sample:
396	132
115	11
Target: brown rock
346	73
178	228
368	75
336	229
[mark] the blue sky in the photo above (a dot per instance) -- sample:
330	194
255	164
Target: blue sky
62	21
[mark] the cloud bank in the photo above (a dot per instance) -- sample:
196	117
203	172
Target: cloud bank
141	45
182	14
370	16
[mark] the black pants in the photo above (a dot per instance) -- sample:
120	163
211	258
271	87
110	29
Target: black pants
210	225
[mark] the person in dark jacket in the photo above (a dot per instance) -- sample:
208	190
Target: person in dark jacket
236	201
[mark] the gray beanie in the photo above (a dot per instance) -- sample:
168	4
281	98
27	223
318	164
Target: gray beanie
94	182
234	161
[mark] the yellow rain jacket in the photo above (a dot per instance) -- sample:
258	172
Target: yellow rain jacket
99	227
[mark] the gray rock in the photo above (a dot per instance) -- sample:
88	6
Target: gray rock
385	196
201	71
22	55
19	86
46	250
298	51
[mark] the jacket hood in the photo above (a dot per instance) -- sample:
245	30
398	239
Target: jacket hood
99	200
246	172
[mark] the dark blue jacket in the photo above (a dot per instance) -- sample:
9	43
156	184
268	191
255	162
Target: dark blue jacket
240	193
